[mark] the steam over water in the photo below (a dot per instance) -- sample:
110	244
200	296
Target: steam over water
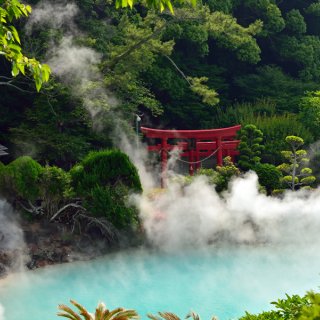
197	216
215	255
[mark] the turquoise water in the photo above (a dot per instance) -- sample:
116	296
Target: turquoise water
223	282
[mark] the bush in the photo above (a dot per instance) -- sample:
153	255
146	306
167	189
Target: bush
104	180
111	203
269	176
20	178
104	167
55	187
220	177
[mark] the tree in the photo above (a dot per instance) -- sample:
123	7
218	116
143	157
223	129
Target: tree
250	147
297	174
10	45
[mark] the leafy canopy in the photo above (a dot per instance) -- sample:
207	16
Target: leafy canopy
10	45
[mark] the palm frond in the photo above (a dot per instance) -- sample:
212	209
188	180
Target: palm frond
68	313
193	315
152	317
101	311
169	316
126	315
83	311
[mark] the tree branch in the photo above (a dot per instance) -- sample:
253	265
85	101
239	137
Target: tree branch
178	69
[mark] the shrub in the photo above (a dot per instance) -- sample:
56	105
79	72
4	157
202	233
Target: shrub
111	203
105	167
55	187
269	176
104	180
221	176
20	178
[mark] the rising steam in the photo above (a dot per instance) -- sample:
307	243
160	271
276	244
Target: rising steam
196	216
11	240
74	64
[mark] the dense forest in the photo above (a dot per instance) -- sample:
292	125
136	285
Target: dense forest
214	65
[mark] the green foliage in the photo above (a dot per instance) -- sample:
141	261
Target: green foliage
55	188
104	180
273	83
275	127
311	310
250	147
57	130
287	309
226	173
229	34
208	96
269	176
295	172
295	22
111	202
220	177
10	48
105	167
20	179
310	112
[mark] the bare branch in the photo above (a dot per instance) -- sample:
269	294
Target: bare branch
178	69
69	205
9	84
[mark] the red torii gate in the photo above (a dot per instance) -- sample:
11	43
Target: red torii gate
199	144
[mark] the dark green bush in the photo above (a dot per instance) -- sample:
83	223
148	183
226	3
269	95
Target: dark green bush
55	187
104	168
111	203
20	178
104	180
269	176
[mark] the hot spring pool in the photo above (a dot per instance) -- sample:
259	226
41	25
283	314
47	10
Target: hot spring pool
224	282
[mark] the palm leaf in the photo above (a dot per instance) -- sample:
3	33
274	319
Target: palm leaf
69	313
152	317
193	315
169	316
83	310
112	313
101	311
125	315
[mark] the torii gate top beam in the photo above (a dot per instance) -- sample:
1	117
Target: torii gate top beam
191	134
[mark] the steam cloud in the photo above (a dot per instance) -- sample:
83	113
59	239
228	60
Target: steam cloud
75	65
196	215
2	313
11	240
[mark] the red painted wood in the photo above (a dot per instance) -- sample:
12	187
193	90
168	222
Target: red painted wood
221	141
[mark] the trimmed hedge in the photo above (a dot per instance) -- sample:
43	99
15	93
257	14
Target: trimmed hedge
104	180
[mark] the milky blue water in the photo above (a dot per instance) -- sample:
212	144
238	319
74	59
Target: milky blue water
224	282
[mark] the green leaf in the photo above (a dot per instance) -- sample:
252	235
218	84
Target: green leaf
15	34
15	70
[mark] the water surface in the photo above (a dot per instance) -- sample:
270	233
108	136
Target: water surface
224	282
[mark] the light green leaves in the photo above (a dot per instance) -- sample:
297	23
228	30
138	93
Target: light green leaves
159	5
10	44
209	96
